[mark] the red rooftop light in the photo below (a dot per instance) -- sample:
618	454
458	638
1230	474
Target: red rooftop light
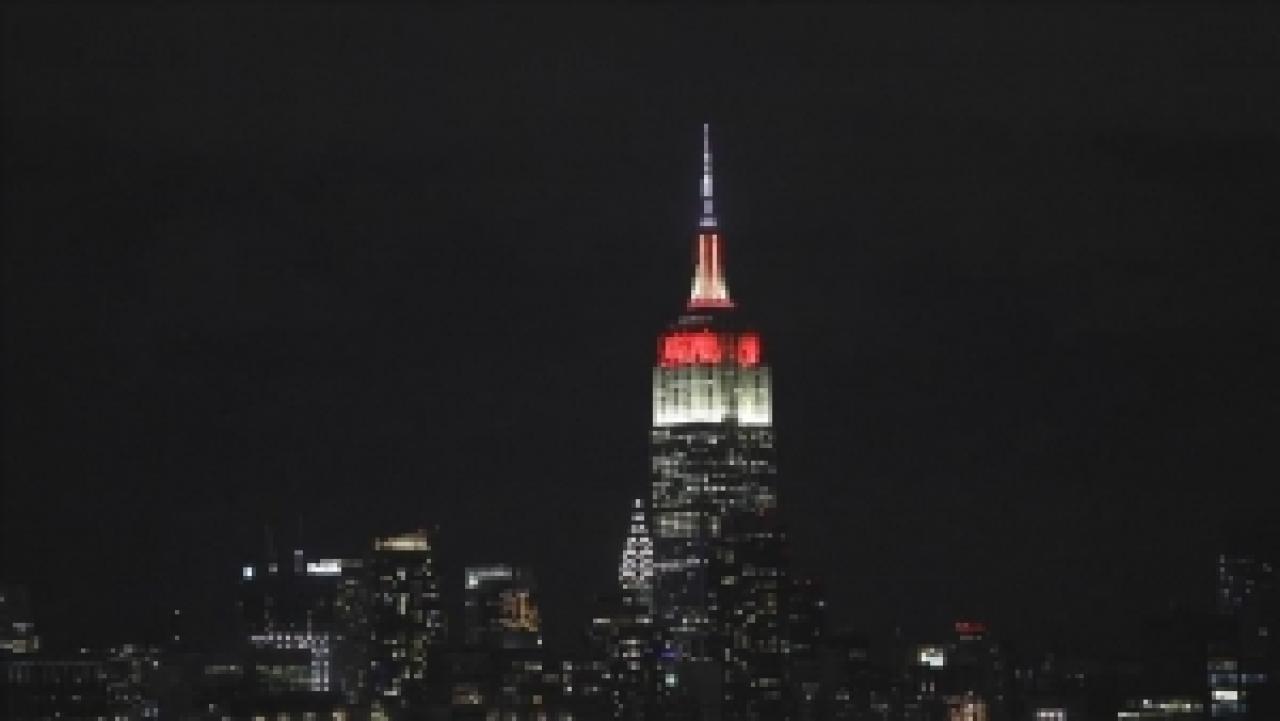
970	628
707	348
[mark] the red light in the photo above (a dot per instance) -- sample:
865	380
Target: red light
749	350
706	347
690	348
970	628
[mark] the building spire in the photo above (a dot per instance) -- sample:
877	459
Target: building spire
708	219
709	287
635	573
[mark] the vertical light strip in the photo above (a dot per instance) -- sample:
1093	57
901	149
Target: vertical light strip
716	281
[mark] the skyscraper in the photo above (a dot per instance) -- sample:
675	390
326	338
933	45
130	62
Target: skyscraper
304	628
717	548
407	618
503	624
501	609
623	629
1244	659
17	630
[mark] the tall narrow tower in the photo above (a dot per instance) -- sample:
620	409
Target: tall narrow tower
717	552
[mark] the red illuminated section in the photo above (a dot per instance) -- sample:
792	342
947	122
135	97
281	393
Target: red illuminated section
707	348
748	349
970	629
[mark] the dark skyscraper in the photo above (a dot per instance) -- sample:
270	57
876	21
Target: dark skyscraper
504	632
407	617
304	631
17	630
1244	658
500	608
717	550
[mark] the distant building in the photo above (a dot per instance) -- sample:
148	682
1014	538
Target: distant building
407	618
804	634
622	631
503	672
977	675
582	692
17	627
1243	667
1162	708
964	679
925	682
853	687
305	632
133	687
48	688
119	683
1051	688
968	707
501	611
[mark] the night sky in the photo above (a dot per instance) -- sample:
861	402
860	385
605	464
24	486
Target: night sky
349	271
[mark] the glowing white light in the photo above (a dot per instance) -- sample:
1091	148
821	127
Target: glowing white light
246	572
324	567
712	394
478	575
931	656
415	541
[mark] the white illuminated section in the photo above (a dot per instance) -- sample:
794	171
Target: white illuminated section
324	567
480	574
636	570
317	644
1171	705
1226	694
246	572
700	393
931	656
415	541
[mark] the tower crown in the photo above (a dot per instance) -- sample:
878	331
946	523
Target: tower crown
709	288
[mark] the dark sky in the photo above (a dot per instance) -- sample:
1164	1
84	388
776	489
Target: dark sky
376	268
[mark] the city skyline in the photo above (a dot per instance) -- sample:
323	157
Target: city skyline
1023	350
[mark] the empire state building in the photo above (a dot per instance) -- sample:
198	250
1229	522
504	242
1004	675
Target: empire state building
718	573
